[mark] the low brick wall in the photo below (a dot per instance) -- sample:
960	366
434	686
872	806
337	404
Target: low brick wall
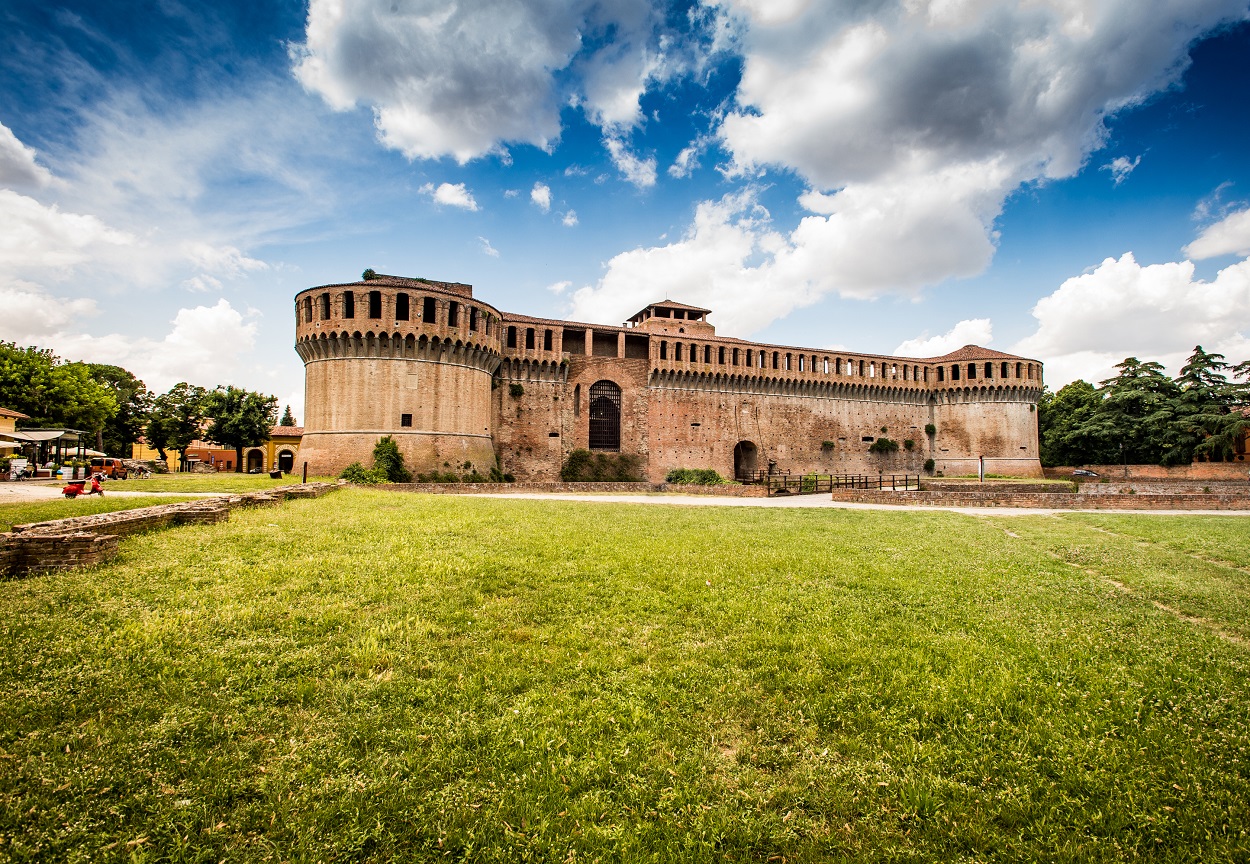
1166	487
994	486
1239	470
78	541
724	489
30	553
1051	501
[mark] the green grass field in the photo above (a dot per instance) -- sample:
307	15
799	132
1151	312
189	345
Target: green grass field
224	482
383	676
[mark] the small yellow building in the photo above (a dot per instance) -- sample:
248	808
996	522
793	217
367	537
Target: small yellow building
8	425
278	453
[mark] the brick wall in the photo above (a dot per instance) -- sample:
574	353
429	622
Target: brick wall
1197	471
1052	501
726	490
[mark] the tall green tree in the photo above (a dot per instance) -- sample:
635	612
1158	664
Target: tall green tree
1135	409
52	392
1068	425
118	434
175	419
1199	410
239	418
288	419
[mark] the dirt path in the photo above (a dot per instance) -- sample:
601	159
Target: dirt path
20	492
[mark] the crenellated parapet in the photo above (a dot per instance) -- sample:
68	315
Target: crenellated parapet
343	345
524	369
442	311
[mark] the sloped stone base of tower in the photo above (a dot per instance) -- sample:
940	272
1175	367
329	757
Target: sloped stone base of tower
328	453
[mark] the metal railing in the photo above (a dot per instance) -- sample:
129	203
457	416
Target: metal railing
785	483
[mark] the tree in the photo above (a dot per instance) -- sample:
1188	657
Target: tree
240	418
1135	410
1068	425
1199	410
36	382
388	462
175	419
288	419
119	434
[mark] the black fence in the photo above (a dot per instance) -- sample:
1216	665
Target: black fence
785	483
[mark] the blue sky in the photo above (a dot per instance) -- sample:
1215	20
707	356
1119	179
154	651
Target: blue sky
1065	179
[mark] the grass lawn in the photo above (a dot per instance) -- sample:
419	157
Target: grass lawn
383	676
224	482
63	508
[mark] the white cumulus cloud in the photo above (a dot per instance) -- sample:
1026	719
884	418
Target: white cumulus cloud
1123	309
34	236
451	195
541	196
973	331
636	170
886	107
569	219
463	79
486	248
1121	167
1229	236
18	168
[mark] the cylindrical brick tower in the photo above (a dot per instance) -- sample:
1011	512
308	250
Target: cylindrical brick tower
409	358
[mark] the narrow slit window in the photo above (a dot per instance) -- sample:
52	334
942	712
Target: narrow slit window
325	306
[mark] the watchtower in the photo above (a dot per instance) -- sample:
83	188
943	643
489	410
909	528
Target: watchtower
409	358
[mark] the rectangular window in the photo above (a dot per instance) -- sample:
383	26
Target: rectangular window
472	319
721	355
429	310
663	350
826	365
453	314
375	304
405	420
989	370
954	373
529	338
349	304
325	307
401	307
707	354
546	340
512	337
307	310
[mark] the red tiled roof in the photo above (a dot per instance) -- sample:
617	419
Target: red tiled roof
670	304
15	415
973	352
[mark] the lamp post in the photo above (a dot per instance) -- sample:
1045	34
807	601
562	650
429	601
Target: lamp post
1124	459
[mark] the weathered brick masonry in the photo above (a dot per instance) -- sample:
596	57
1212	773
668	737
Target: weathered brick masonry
725	490
1051	501
457	382
79	541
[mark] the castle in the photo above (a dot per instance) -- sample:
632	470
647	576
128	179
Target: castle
453	380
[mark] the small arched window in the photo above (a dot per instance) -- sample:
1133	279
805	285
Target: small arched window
605	416
307	310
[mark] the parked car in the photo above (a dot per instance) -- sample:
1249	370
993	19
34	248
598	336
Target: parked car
1084	472
114	469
